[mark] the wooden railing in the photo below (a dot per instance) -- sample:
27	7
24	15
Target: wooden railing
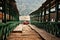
6	29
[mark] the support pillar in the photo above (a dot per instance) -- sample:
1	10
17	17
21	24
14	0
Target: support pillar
5	10
41	15
49	11
56	8
44	14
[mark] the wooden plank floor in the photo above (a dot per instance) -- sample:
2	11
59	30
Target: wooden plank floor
27	34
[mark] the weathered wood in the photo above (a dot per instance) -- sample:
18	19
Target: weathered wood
27	34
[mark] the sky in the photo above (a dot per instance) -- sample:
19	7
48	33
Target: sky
25	7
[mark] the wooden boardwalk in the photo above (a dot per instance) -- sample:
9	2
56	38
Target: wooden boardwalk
26	34
45	35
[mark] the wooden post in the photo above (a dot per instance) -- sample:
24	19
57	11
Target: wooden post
5	9
38	16
49	11
44	14
2	11
56	8
9	13
41	15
